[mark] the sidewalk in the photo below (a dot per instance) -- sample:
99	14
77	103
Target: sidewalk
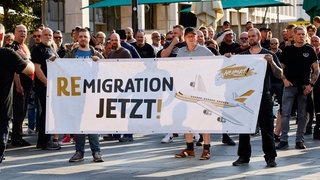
147	158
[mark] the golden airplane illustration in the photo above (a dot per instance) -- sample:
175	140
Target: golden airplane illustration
214	103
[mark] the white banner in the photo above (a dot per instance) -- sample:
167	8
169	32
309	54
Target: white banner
199	94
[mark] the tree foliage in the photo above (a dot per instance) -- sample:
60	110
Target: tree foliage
19	12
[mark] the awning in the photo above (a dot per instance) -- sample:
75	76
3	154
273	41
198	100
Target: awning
312	8
110	3
237	4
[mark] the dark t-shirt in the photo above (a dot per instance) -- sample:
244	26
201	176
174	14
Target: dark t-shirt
175	49
274	79
266	44
228	48
145	51
10	63
267	79
120	53
298	62
39	56
132	50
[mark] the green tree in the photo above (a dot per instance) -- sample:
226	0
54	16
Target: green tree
22	13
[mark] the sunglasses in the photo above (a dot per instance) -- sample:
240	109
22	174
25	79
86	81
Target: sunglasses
273	43
100	50
244	38
57	37
36	36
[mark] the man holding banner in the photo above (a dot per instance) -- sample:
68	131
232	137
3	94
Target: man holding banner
265	117
85	51
194	49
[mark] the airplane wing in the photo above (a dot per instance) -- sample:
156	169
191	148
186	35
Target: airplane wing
214	109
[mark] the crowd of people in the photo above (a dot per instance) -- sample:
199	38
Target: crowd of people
291	80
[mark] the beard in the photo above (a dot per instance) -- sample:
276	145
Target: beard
114	47
82	44
253	43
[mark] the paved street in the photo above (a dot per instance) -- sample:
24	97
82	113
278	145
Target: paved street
147	158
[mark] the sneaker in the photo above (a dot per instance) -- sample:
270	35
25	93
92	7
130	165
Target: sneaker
108	137
228	141
282	145
52	146
300	145
97	157
20	143
31	132
65	140
241	162
77	157
167	139
125	139
205	155
271	163
185	153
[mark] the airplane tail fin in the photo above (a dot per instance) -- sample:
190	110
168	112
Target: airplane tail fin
243	98
198	84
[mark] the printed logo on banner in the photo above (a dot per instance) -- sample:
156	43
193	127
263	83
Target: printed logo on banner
235	72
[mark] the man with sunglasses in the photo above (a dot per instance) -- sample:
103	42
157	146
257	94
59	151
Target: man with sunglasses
36	38
58	39
243	41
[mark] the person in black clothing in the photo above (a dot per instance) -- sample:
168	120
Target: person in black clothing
39	56
265	42
315	42
277	88
21	89
265	118
58	39
144	49
244	45
170	49
10	63
301	70
228	45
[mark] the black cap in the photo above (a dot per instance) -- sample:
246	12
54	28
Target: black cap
190	30
226	23
264	29
122	33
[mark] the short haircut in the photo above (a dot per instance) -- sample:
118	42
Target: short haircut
203	27
83	30
311	26
291	26
100	33
36	30
317	19
257	31
299	28
179	26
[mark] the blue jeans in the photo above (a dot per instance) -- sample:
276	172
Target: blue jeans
289	94
93	141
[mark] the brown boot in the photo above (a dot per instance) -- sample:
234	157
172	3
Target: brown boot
205	155
185	153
